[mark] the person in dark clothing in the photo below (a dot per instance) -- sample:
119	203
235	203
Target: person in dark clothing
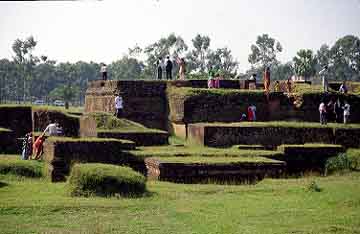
159	66
338	111
168	68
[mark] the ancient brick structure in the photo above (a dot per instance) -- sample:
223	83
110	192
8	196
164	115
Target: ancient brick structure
220	135
140	138
248	172
61	153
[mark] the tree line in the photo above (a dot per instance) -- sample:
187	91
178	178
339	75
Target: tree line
27	76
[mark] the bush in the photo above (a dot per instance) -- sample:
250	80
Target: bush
105	180
26	168
339	163
354	157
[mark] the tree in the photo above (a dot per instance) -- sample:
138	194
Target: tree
323	55
24	59
173	46
67	91
282	71
305	63
196	59
345	56
126	68
222	60
263	53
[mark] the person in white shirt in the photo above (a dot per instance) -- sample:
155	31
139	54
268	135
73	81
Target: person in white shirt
346	108
103	70
323	74
119	106
52	129
322	110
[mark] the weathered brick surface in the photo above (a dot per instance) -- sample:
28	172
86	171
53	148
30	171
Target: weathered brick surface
61	153
300	159
144	101
222	135
69	123
8	142
209	173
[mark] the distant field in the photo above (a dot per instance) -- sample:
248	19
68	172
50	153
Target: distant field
270	207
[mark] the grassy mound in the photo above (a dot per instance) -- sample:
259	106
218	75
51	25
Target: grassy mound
354	158
105	180
16	166
106	122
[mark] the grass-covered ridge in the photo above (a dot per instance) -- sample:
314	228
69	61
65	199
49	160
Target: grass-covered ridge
191	151
283	124
106	122
12	164
105	180
4	130
217	160
87	139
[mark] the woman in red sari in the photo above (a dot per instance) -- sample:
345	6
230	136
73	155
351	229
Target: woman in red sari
267	79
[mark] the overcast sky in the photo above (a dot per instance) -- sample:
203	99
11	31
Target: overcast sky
102	31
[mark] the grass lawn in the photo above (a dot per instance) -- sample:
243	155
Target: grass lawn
271	206
198	151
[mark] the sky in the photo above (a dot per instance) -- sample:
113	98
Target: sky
102	31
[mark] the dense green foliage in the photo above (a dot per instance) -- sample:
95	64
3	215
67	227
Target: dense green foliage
272	206
15	166
105	180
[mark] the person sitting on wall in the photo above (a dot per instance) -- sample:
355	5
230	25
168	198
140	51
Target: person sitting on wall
119	106
243	117
343	88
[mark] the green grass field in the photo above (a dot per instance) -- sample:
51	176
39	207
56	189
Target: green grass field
271	206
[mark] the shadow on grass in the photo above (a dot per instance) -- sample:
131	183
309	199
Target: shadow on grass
2	184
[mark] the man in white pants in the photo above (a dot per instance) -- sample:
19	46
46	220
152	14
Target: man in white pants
119	106
323	74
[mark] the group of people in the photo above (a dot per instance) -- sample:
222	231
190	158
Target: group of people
168	67
34	149
214	79
334	111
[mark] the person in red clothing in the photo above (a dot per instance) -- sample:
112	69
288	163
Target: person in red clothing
250	114
39	147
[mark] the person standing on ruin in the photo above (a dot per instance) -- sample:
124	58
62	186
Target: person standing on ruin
322	110
267	79
182	68
346	108
103	70
119	105
168	68
159	67
323	74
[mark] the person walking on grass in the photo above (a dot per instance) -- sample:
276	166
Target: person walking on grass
346	108
119	106
168	68
322	110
